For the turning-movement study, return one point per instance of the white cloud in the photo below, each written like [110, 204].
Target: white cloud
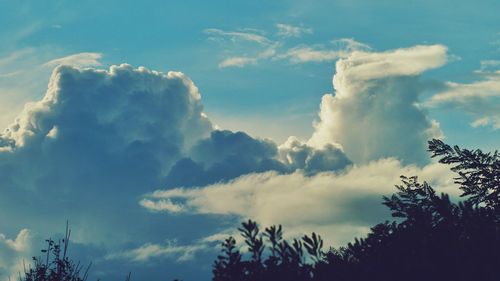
[350, 44]
[77, 60]
[237, 61]
[161, 205]
[149, 251]
[244, 61]
[12, 254]
[400, 62]
[337, 205]
[488, 66]
[309, 54]
[286, 30]
[480, 99]
[340, 48]
[234, 36]
[373, 113]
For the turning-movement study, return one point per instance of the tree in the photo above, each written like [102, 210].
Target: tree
[431, 237]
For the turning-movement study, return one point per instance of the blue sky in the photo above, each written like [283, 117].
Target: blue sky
[150, 145]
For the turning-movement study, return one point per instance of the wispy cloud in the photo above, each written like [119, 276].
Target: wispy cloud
[242, 61]
[236, 35]
[309, 54]
[286, 30]
[150, 251]
[481, 100]
[79, 60]
[330, 203]
[13, 252]
[237, 61]
[489, 67]
[276, 48]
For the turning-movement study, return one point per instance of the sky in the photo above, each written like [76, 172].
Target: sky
[155, 127]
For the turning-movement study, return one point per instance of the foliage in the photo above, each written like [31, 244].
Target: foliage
[432, 237]
[56, 266]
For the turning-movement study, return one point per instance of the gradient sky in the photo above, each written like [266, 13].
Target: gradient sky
[100, 143]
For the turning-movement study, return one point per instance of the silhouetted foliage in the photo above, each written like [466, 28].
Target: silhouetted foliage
[284, 261]
[432, 237]
[479, 172]
[56, 265]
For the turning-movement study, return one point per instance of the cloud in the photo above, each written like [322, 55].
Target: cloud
[488, 66]
[350, 44]
[149, 251]
[285, 30]
[341, 48]
[309, 54]
[12, 254]
[480, 99]
[96, 141]
[244, 61]
[100, 138]
[237, 61]
[276, 49]
[373, 113]
[235, 36]
[226, 155]
[335, 204]
[77, 60]
[298, 155]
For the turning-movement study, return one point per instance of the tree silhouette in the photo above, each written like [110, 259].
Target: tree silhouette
[431, 238]
[56, 265]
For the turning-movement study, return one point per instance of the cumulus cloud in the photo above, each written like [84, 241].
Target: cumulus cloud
[298, 155]
[99, 139]
[12, 254]
[96, 141]
[286, 30]
[337, 205]
[226, 155]
[373, 113]
[480, 99]
[78, 60]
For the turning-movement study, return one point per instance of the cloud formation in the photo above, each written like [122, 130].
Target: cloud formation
[373, 113]
[13, 252]
[92, 145]
[337, 205]
[480, 99]
[286, 30]
[238, 35]
[78, 60]
[277, 49]
[169, 249]
[101, 139]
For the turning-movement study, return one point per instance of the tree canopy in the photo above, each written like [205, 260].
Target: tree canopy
[430, 237]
